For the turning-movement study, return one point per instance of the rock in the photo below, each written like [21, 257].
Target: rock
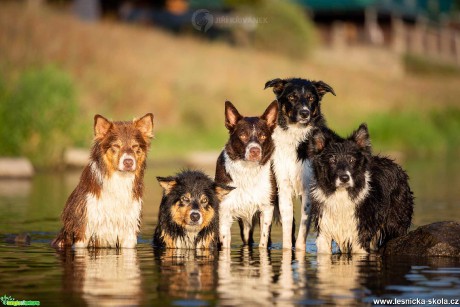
[15, 168]
[204, 159]
[76, 157]
[438, 239]
[20, 239]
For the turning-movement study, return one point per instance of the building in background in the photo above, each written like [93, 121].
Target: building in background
[430, 28]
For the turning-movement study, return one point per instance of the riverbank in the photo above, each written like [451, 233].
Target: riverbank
[120, 71]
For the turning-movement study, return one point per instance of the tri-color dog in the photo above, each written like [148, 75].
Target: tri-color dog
[104, 209]
[359, 200]
[189, 211]
[299, 113]
[245, 165]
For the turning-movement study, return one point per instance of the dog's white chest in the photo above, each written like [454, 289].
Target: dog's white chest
[338, 220]
[188, 241]
[113, 217]
[288, 169]
[253, 187]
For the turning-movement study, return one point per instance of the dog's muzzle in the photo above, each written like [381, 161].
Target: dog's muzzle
[253, 152]
[303, 116]
[195, 218]
[344, 180]
[127, 163]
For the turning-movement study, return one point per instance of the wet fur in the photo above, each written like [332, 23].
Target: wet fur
[362, 217]
[174, 229]
[255, 192]
[290, 161]
[104, 209]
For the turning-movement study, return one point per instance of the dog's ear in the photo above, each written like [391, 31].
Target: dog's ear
[323, 88]
[361, 138]
[317, 143]
[277, 84]
[222, 190]
[145, 125]
[167, 183]
[101, 126]
[231, 115]
[271, 114]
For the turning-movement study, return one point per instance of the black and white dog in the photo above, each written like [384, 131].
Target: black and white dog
[358, 200]
[245, 164]
[299, 113]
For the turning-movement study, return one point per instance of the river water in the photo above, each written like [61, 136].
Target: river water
[242, 276]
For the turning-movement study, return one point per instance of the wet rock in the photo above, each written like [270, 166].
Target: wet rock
[15, 168]
[437, 239]
[20, 239]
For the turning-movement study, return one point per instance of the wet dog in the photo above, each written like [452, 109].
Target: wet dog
[299, 113]
[358, 200]
[104, 209]
[189, 211]
[245, 165]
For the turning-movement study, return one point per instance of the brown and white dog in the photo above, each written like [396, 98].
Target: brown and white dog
[245, 164]
[104, 209]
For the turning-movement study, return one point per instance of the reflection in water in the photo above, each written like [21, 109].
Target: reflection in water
[248, 281]
[292, 278]
[186, 274]
[103, 277]
[249, 277]
[339, 278]
[239, 277]
[15, 187]
[419, 277]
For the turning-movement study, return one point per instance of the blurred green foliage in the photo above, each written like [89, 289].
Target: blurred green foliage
[423, 66]
[235, 3]
[38, 116]
[420, 134]
[280, 26]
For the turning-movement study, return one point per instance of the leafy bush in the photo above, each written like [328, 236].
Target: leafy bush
[282, 27]
[37, 116]
[421, 134]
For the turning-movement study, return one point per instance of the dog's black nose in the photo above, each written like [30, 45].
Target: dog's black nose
[195, 216]
[344, 178]
[304, 113]
[128, 163]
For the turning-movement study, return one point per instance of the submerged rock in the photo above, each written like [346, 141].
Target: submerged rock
[20, 239]
[437, 239]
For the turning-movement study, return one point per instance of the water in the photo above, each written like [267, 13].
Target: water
[242, 276]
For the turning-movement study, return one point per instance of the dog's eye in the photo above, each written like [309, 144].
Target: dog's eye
[204, 200]
[311, 98]
[243, 136]
[185, 199]
[135, 147]
[262, 137]
[115, 146]
[291, 98]
[351, 160]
